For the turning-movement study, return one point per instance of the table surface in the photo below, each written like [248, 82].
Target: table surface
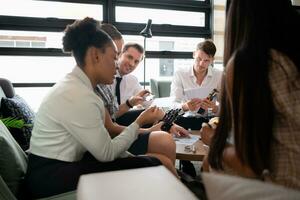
[201, 150]
[135, 184]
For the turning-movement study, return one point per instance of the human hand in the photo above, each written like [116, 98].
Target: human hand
[138, 98]
[179, 131]
[207, 132]
[150, 115]
[143, 93]
[192, 105]
[206, 103]
[155, 127]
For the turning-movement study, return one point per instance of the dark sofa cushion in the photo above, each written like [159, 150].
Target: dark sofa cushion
[17, 107]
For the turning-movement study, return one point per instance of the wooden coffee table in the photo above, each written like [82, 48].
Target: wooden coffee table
[201, 150]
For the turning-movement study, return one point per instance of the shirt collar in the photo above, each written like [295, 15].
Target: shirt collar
[77, 71]
[118, 74]
[209, 71]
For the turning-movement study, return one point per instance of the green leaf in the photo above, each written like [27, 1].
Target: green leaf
[13, 122]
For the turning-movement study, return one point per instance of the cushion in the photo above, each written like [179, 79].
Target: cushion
[5, 193]
[13, 160]
[1, 95]
[154, 88]
[7, 87]
[233, 188]
[164, 88]
[18, 108]
[64, 196]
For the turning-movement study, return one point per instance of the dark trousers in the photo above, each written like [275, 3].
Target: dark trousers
[127, 118]
[46, 177]
[193, 123]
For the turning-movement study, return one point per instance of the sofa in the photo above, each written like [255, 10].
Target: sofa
[160, 88]
[13, 160]
[13, 164]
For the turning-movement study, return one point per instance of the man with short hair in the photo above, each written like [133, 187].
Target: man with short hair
[201, 74]
[106, 92]
[132, 54]
[126, 86]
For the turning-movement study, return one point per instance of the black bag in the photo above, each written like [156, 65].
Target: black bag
[196, 185]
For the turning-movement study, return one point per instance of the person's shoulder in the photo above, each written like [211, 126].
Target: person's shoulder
[281, 58]
[183, 71]
[131, 77]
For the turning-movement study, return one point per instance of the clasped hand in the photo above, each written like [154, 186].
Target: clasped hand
[195, 103]
[138, 98]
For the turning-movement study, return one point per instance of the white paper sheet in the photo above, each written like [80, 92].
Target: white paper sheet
[197, 93]
[163, 102]
[187, 140]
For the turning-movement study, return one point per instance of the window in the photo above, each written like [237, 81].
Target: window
[32, 95]
[183, 44]
[166, 66]
[35, 69]
[153, 71]
[219, 26]
[43, 9]
[31, 33]
[33, 39]
[159, 16]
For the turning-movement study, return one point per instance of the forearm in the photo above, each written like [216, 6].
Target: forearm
[123, 108]
[113, 128]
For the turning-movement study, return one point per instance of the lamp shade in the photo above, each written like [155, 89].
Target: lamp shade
[146, 32]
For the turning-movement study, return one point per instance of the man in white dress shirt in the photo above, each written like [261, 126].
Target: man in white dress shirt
[131, 56]
[126, 86]
[201, 74]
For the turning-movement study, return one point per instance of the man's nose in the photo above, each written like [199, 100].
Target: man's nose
[131, 63]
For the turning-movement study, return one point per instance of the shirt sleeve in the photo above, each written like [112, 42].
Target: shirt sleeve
[137, 86]
[85, 122]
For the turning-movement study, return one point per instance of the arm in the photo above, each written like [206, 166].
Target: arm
[206, 133]
[85, 122]
[133, 101]
[193, 104]
[114, 129]
[123, 108]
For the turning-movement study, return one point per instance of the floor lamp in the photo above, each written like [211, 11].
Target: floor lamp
[146, 33]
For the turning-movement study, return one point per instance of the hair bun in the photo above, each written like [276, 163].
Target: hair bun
[70, 39]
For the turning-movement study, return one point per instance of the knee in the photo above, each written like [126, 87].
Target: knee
[167, 139]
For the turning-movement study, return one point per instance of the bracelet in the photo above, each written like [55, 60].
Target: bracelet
[128, 104]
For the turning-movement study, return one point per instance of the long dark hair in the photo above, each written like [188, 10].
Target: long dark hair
[253, 27]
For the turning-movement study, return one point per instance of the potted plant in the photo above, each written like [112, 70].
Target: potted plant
[12, 122]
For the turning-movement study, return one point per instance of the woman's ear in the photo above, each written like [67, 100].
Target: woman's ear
[95, 54]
